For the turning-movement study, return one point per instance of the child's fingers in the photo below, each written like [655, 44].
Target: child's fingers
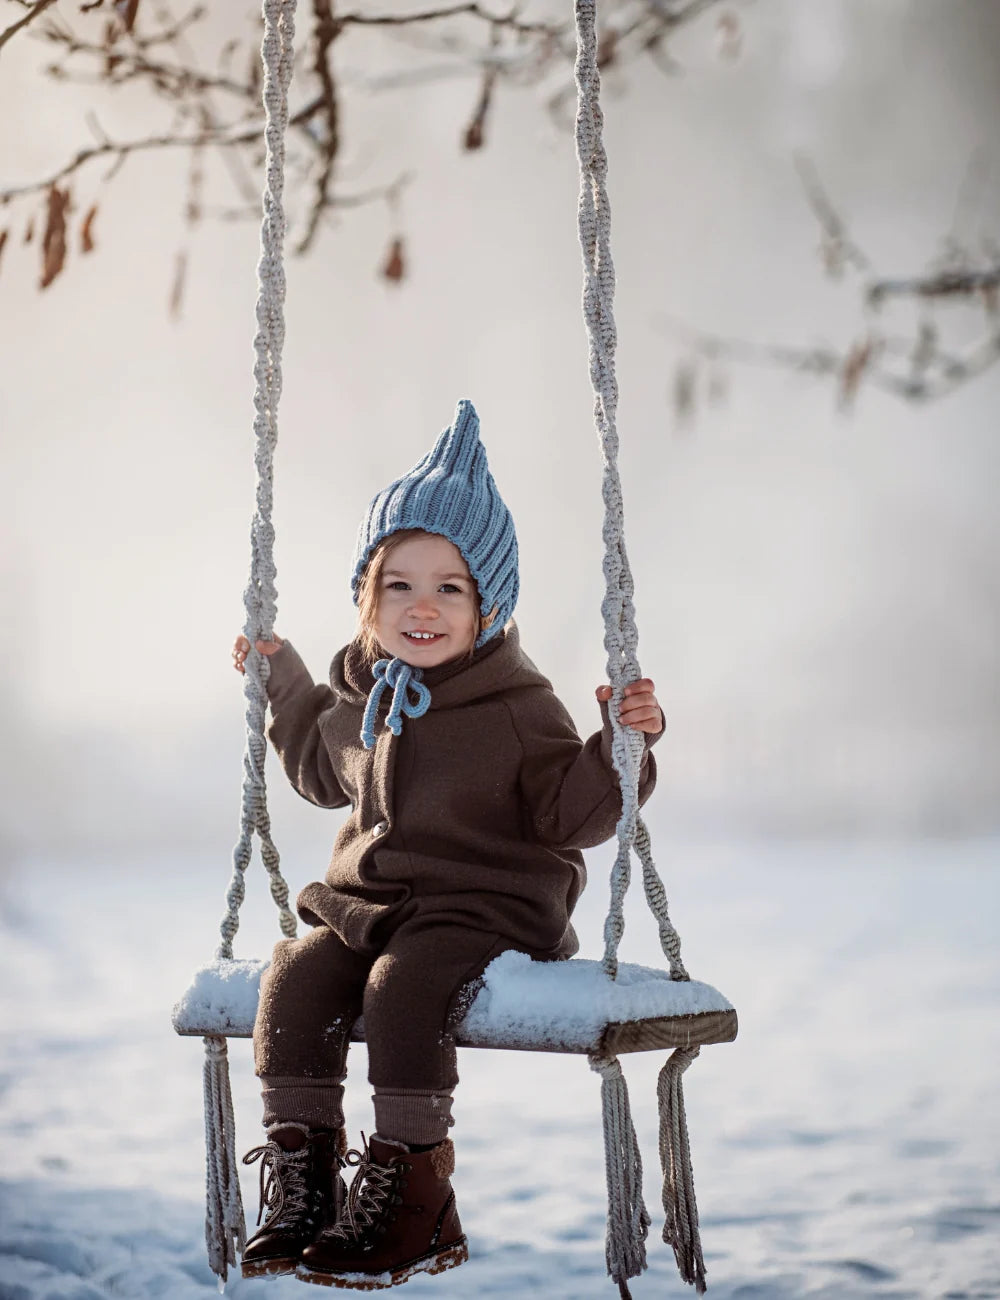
[642, 712]
[644, 701]
[241, 649]
[650, 720]
[639, 708]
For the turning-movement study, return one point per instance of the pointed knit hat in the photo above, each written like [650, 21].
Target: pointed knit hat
[451, 492]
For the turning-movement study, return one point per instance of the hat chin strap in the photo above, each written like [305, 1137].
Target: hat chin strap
[400, 677]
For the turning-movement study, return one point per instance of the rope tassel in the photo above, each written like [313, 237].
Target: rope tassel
[628, 1219]
[225, 1231]
[680, 1228]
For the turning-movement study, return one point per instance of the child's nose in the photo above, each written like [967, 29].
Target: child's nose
[424, 606]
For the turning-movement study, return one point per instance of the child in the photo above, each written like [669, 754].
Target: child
[470, 805]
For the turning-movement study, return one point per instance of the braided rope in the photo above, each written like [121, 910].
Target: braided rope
[225, 1232]
[680, 1229]
[620, 634]
[628, 1219]
[260, 595]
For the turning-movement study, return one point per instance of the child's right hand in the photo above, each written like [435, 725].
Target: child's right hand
[241, 648]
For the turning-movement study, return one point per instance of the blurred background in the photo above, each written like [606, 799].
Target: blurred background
[817, 579]
[807, 239]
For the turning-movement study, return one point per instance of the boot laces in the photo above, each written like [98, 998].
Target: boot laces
[284, 1183]
[368, 1196]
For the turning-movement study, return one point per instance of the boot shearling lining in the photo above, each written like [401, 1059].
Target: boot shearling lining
[443, 1159]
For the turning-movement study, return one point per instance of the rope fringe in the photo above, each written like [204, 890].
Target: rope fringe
[628, 1219]
[680, 1229]
[225, 1231]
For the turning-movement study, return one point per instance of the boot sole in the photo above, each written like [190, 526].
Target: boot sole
[280, 1267]
[437, 1262]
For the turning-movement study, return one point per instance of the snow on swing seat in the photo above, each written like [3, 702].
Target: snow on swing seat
[560, 1006]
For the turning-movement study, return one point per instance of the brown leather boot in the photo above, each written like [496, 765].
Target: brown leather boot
[400, 1219]
[301, 1192]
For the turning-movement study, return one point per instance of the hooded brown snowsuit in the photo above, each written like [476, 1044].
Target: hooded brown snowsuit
[464, 840]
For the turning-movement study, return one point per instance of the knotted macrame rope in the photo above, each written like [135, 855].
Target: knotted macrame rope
[625, 1234]
[225, 1232]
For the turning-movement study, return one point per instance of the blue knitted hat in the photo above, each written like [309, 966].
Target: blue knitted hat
[451, 492]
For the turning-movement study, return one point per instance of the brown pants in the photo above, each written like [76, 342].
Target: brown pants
[316, 987]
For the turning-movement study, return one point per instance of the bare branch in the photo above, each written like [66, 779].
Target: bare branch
[472, 9]
[943, 284]
[169, 35]
[326, 32]
[38, 8]
[122, 150]
[146, 45]
[930, 374]
[168, 78]
[838, 248]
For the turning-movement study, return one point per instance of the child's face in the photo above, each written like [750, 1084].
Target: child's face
[427, 612]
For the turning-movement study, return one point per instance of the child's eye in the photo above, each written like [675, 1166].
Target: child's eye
[450, 588]
[398, 585]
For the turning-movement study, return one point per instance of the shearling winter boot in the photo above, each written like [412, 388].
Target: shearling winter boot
[400, 1219]
[301, 1192]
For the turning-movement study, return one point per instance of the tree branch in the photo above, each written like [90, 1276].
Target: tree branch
[943, 284]
[472, 9]
[106, 148]
[38, 8]
[838, 247]
[327, 31]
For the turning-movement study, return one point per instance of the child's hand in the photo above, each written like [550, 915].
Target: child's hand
[639, 710]
[241, 649]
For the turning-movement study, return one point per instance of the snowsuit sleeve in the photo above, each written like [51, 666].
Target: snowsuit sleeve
[570, 786]
[297, 708]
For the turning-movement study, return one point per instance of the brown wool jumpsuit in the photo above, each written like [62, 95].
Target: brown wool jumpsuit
[463, 841]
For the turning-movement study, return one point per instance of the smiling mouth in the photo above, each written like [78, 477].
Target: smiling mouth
[423, 638]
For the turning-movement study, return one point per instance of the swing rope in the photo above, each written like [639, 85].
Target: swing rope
[225, 1230]
[628, 1220]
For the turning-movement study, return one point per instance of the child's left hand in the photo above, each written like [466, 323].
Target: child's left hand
[639, 707]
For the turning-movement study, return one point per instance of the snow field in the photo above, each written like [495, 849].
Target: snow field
[846, 1146]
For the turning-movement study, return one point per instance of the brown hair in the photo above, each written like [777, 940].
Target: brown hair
[370, 585]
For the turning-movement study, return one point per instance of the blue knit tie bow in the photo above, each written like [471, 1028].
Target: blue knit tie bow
[400, 676]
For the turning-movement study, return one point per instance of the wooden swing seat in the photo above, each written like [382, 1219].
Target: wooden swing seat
[568, 1006]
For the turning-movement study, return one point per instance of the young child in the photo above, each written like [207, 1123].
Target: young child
[471, 797]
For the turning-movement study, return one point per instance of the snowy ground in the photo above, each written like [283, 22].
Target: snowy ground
[846, 1146]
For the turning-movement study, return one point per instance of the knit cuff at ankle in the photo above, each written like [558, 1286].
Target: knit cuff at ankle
[412, 1115]
[316, 1103]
